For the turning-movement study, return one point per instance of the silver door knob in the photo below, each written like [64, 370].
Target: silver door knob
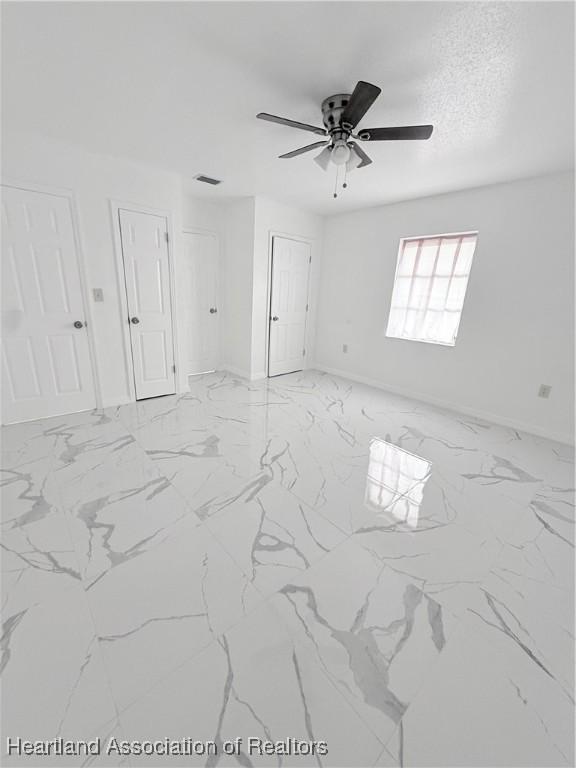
[213, 310]
[134, 320]
[275, 318]
[78, 324]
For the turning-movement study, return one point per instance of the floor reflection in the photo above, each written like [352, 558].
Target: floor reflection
[395, 482]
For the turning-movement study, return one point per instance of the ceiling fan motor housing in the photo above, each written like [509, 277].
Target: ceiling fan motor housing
[332, 109]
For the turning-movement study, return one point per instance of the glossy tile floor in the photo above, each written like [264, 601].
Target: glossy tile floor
[302, 557]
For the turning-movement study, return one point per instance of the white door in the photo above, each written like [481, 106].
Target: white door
[46, 367]
[147, 271]
[202, 291]
[288, 305]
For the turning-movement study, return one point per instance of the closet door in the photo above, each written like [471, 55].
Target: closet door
[46, 367]
[202, 289]
[147, 272]
[288, 305]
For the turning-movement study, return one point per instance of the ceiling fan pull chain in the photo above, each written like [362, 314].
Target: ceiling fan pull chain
[345, 178]
[336, 181]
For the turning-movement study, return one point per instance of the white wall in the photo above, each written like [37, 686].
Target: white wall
[517, 327]
[248, 225]
[274, 218]
[201, 214]
[94, 179]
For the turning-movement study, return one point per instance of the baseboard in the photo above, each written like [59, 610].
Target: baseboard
[244, 374]
[117, 401]
[234, 370]
[559, 437]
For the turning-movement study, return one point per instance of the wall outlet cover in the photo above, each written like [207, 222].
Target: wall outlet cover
[98, 294]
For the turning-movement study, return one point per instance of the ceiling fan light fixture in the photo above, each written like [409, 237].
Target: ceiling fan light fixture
[354, 161]
[323, 159]
[341, 153]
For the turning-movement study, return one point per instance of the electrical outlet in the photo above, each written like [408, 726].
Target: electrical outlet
[98, 294]
[345, 348]
[544, 390]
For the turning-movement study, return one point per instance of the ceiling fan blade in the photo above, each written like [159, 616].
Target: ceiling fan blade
[365, 160]
[291, 123]
[323, 159]
[301, 151]
[401, 133]
[363, 96]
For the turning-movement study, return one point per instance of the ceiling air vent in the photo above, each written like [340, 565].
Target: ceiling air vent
[207, 179]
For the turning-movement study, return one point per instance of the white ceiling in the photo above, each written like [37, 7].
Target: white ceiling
[178, 85]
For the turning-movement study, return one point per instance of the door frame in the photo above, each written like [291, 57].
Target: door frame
[77, 232]
[211, 233]
[115, 207]
[299, 239]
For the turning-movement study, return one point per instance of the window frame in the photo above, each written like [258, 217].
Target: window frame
[420, 239]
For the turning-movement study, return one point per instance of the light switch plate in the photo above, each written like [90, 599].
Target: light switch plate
[544, 390]
[98, 294]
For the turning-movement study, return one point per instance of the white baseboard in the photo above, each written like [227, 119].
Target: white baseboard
[236, 371]
[559, 437]
[116, 401]
[244, 374]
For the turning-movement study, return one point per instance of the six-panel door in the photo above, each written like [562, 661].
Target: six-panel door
[288, 305]
[46, 368]
[201, 263]
[147, 271]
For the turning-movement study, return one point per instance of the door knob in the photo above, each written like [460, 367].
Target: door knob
[275, 318]
[78, 324]
[134, 320]
[213, 310]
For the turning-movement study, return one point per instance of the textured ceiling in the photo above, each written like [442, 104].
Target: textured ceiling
[178, 85]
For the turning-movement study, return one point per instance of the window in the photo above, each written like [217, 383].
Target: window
[430, 286]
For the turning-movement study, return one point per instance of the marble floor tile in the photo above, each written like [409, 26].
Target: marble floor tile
[274, 537]
[253, 681]
[526, 601]
[437, 557]
[89, 457]
[550, 460]
[387, 760]
[29, 441]
[38, 556]
[315, 465]
[53, 678]
[28, 492]
[119, 514]
[554, 507]
[374, 632]
[160, 609]
[299, 557]
[483, 707]
[208, 484]
[480, 466]
[37, 562]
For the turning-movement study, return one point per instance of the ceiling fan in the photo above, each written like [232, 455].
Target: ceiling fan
[341, 114]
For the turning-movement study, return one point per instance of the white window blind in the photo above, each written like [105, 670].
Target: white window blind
[430, 286]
